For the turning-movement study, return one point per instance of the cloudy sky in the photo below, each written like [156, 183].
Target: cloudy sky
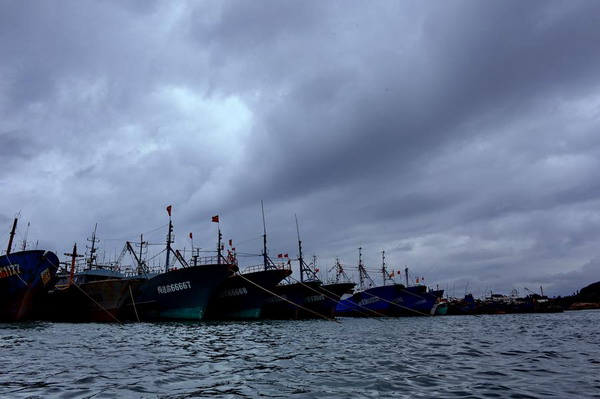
[463, 137]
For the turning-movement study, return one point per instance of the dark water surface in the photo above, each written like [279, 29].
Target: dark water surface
[502, 356]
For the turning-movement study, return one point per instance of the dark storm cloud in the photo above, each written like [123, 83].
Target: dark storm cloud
[460, 137]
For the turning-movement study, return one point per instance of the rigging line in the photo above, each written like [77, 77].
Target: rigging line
[156, 255]
[129, 238]
[287, 300]
[244, 241]
[333, 299]
[92, 299]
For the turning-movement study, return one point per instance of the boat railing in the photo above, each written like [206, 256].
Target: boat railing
[206, 260]
[260, 267]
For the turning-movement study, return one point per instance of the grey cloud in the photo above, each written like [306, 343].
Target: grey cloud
[459, 137]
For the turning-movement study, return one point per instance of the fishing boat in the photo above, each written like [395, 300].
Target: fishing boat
[372, 300]
[178, 293]
[462, 306]
[419, 300]
[291, 299]
[335, 290]
[97, 293]
[25, 276]
[242, 295]
[325, 298]
[390, 299]
[442, 308]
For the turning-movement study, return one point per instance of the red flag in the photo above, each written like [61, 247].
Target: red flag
[233, 249]
[316, 270]
[169, 210]
[280, 255]
[285, 255]
[215, 219]
[230, 243]
[191, 237]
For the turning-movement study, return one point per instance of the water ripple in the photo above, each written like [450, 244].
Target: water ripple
[501, 356]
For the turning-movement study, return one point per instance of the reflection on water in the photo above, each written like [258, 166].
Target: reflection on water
[505, 356]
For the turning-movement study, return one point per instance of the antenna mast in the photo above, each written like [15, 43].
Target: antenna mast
[383, 270]
[362, 272]
[169, 239]
[12, 234]
[219, 255]
[300, 258]
[265, 257]
[92, 259]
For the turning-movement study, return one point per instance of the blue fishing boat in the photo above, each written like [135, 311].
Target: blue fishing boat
[25, 277]
[372, 300]
[390, 299]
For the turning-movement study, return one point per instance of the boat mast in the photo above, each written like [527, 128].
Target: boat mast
[73, 256]
[169, 239]
[383, 271]
[361, 269]
[362, 272]
[219, 244]
[12, 235]
[93, 240]
[265, 259]
[339, 271]
[140, 264]
[300, 257]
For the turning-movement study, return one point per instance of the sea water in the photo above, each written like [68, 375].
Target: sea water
[496, 356]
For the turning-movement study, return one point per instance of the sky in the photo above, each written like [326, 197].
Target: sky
[460, 137]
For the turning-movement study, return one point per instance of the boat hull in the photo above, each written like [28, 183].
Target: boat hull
[180, 294]
[388, 300]
[289, 299]
[417, 301]
[372, 302]
[25, 277]
[241, 297]
[95, 301]
[325, 302]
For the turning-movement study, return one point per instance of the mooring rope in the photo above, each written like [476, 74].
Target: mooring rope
[133, 302]
[339, 301]
[287, 300]
[397, 304]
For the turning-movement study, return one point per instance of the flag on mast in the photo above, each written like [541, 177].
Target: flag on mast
[169, 210]
[215, 219]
